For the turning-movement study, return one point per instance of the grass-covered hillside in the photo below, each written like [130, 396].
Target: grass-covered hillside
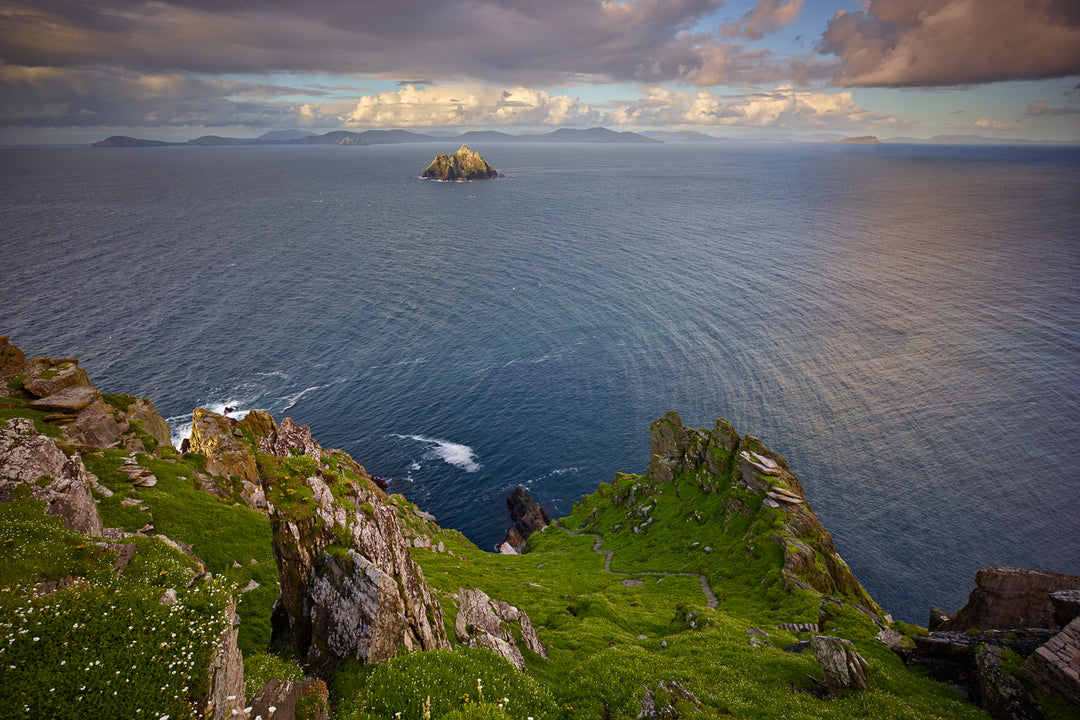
[686, 589]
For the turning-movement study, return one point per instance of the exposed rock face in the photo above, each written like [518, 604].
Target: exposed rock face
[32, 463]
[660, 705]
[483, 622]
[1003, 696]
[301, 700]
[226, 674]
[147, 415]
[527, 515]
[212, 435]
[12, 361]
[1006, 598]
[1055, 667]
[288, 437]
[810, 558]
[843, 668]
[465, 164]
[348, 584]
[49, 376]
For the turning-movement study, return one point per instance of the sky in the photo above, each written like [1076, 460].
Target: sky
[82, 70]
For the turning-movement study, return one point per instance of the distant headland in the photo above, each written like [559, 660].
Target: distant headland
[384, 137]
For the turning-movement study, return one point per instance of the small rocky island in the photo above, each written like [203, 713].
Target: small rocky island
[465, 164]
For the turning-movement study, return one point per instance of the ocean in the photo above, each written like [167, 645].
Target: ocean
[901, 322]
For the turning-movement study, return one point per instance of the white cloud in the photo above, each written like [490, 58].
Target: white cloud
[467, 106]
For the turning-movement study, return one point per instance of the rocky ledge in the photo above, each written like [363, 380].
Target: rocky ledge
[465, 164]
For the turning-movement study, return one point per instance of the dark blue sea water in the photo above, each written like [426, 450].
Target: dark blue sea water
[901, 322]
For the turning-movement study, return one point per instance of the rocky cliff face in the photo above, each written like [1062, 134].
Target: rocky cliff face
[465, 164]
[348, 584]
[719, 456]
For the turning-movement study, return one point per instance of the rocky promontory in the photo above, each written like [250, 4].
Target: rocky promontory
[465, 164]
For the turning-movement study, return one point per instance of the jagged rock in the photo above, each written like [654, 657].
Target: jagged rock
[227, 692]
[48, 376]
[291, 437]
[1066, 606]
[1006, 598]
[482, 621]
[842, 667]
[661, 704]
[1003, 696]
[259, 423]
[465, 164]
[348, 584]
[284, 697]
[146, 414]
[937, 617]
[211, 435]
[527, 515]
[30, 459]
[1055, 667]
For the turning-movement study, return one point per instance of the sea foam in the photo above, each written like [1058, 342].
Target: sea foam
[455, 454]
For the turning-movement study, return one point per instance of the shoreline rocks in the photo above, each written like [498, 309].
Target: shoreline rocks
[527, 515]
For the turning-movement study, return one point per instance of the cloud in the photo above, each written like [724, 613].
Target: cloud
[70, 97]
[468, 106]
[984, 124]
[1041, 109]
[954, 42]
[784, 107]
[765, 17]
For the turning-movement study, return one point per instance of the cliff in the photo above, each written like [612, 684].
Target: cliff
[262, 570]
[465, 164]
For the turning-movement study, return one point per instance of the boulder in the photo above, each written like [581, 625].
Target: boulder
[465, 164]
[483, 622]
[842, 667]
[1001, 695]
[1066, 606]
[1006, 598]
[527, 515]
[48, 376]
[661, 704]
[226, 694]
[226, 455]
[300, 700]
[1055, 667]
[349, 587]
[33, 462]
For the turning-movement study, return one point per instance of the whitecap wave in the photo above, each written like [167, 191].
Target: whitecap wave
[455, 454]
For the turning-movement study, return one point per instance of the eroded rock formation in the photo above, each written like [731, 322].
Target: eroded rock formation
[527, 515]
[465, 164]
[483, 622]
[348, 584]
[1006, 598]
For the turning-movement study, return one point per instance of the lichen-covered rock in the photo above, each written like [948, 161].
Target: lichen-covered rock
[143, 411]
[96, 425]
[227, 692]
[1055, 667]
[31, 464]
[1002, 695]
[12, 360]
[70, 399]
[842, 667]
[465, 164]
[348, 584]
[1006, 598]
[226, 455]
[47, 376]
[483, 622]
[292, 700]
[289, 437]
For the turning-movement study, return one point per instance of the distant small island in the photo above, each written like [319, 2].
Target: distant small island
[861, 140]
[465, 164]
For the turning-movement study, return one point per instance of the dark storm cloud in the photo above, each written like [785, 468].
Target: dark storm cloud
[491, 40]
[955, 42]
[70, 97]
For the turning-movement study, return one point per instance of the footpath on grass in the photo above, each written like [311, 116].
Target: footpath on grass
[710, 598]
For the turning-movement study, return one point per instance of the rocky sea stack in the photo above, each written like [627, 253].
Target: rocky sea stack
[465, 164]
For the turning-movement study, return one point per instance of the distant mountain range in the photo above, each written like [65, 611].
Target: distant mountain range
[385, 137]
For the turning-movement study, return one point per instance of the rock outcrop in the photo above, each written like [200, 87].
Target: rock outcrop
[710, 456]
[227, 692]
[1006, 598]
[1055, 667]
[465, 164]
[349, 587]
[842, 667]
[32, 465]
[483, 622]
[527, 515]
[226, 455]
[291, 700]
